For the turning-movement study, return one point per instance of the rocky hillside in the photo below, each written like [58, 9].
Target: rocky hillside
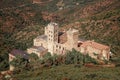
[13, 3]
[99, 21]
[21, 21]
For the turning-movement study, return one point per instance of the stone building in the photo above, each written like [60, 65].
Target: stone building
[95, 50]
[14, 54]
[57, 42]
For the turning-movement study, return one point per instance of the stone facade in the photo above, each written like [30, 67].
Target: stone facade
[57, 42]
[40, 51]
[11, 57]
[95, 50]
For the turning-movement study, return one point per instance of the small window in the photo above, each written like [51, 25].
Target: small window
[59, 46]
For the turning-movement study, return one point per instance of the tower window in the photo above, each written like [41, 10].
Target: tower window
[59, 47]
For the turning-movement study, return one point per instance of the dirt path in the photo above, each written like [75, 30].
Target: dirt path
[42, 3]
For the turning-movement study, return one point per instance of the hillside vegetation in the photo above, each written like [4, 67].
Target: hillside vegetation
[69, 72]
[21, 21]
[71, 66]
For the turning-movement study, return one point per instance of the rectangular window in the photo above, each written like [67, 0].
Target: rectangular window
[59, 47]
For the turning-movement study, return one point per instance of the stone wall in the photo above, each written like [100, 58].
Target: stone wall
[95, 53]
[59, 49]
[40, 42]
[11, 57]
[39, 53]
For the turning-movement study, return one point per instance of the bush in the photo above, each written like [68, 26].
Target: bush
[117, 65]
[4, 63]
[75, 57]
[19, 63]
[88, 59]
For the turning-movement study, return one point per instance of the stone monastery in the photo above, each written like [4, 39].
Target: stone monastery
[59, 43]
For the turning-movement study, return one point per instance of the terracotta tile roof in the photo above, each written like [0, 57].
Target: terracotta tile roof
[94, 45]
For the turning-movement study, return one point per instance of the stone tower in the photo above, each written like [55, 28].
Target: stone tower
[72, 39]
[52, 35]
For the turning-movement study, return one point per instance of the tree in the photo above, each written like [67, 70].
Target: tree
[89, 59]
[75, 57]
[4, 61]
[19, 63]
[34, 61]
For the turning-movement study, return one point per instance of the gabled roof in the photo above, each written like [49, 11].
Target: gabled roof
[43, 37]
[16, 52]
[38, 48]
[94, 45]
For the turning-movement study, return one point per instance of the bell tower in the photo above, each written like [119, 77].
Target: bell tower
[52, 35]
